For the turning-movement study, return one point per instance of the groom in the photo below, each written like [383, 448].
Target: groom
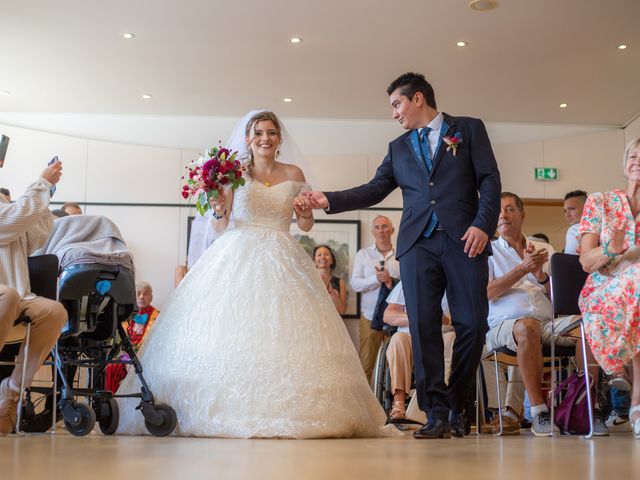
[451, 201]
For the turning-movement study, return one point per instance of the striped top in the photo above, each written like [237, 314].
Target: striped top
[25, 226]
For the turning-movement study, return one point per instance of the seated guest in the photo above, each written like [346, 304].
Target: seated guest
[325, 261]
[520, 312]
[71, 208]
[400, 354]
[573, 205]
[136, 327]
[610, 252]
[24, 226]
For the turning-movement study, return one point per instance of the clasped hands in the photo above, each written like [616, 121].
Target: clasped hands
[533, 261]
[383, 276]
[303, 207]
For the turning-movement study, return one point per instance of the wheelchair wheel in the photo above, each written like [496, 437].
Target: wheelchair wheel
[169, 421]
[380, 372]
[82, 421]
[108, 415]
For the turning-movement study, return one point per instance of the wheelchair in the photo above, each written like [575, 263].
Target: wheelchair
[382, 379]
[98, 298]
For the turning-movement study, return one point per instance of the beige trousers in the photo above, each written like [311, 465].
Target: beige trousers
[370, 341]
[47, 319]
[400, 358]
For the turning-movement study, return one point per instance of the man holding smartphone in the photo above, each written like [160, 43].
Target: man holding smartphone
[373, 267]
[25, 226]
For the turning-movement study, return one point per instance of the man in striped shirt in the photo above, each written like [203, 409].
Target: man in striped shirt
[25, 225]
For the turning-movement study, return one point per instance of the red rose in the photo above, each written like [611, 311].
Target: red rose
[224, 180]
[185, 194]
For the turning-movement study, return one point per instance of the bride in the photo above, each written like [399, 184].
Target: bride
[249, 345]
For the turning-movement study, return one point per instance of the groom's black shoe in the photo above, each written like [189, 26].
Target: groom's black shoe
[434, 428]
[457, 424]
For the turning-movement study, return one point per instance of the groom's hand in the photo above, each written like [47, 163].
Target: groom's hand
[317, 199]
[476, 240]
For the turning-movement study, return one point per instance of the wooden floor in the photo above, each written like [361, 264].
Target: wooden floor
[62, 456]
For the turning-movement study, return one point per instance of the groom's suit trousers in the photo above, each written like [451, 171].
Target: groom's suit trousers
[442, 264]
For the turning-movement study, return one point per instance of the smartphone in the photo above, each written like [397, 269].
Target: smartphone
[381, 264]
[51, 162]
[4, 143]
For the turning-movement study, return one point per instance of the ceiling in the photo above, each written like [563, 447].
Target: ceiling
[225, 57]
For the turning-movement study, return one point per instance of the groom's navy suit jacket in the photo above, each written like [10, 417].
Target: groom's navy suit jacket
[463, 189]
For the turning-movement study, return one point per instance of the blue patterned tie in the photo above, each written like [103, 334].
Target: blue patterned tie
[425, 150]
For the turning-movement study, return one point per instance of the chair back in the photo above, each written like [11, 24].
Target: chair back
[567, 280]
[43, 275]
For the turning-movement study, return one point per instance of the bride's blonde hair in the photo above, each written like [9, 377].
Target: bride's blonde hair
[259, 117]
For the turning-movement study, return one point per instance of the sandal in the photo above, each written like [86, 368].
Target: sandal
[635, 422]
[398, 411]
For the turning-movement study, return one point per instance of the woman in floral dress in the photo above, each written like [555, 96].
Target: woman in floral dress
[610, 299]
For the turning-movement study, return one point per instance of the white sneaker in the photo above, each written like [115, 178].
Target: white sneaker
[618, 423]
[599, 427]
[541, 425]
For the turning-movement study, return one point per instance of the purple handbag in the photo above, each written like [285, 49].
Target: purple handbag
[572, 412]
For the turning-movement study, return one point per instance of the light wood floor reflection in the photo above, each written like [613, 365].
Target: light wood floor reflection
[62, 456]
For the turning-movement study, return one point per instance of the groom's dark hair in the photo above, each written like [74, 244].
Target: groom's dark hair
[411, 83]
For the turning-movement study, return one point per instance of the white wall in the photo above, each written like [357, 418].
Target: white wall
[632, 131]
[588, 162]
[342, 153]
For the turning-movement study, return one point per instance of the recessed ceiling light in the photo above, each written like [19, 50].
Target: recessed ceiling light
[483, 5]
[622, 47]
[287, 100]
[563, 105]
[147, 96]
[128, 36]
[461, 44]
[5, 92]
[295, 40]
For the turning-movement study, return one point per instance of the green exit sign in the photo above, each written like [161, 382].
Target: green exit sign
[546, 173]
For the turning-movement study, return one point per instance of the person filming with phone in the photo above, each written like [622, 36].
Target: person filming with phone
[373, 267]
[25, 225]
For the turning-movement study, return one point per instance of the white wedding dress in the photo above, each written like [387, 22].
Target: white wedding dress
[250, 343]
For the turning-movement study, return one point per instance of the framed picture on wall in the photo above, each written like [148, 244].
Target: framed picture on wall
[343, 236]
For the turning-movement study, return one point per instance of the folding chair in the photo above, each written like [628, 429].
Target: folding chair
[43, 276]
[506, 356]
[567, 280]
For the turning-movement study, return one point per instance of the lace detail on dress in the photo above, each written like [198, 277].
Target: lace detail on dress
[250, 343]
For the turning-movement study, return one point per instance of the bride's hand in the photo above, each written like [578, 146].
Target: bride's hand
[302, 207]
[219, 205]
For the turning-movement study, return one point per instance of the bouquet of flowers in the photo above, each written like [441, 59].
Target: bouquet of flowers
[208, 176]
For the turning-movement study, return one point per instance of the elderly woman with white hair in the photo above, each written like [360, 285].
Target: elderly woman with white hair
[137, 327]
[610, 300]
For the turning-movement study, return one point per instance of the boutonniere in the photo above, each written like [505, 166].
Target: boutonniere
[453, 142]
